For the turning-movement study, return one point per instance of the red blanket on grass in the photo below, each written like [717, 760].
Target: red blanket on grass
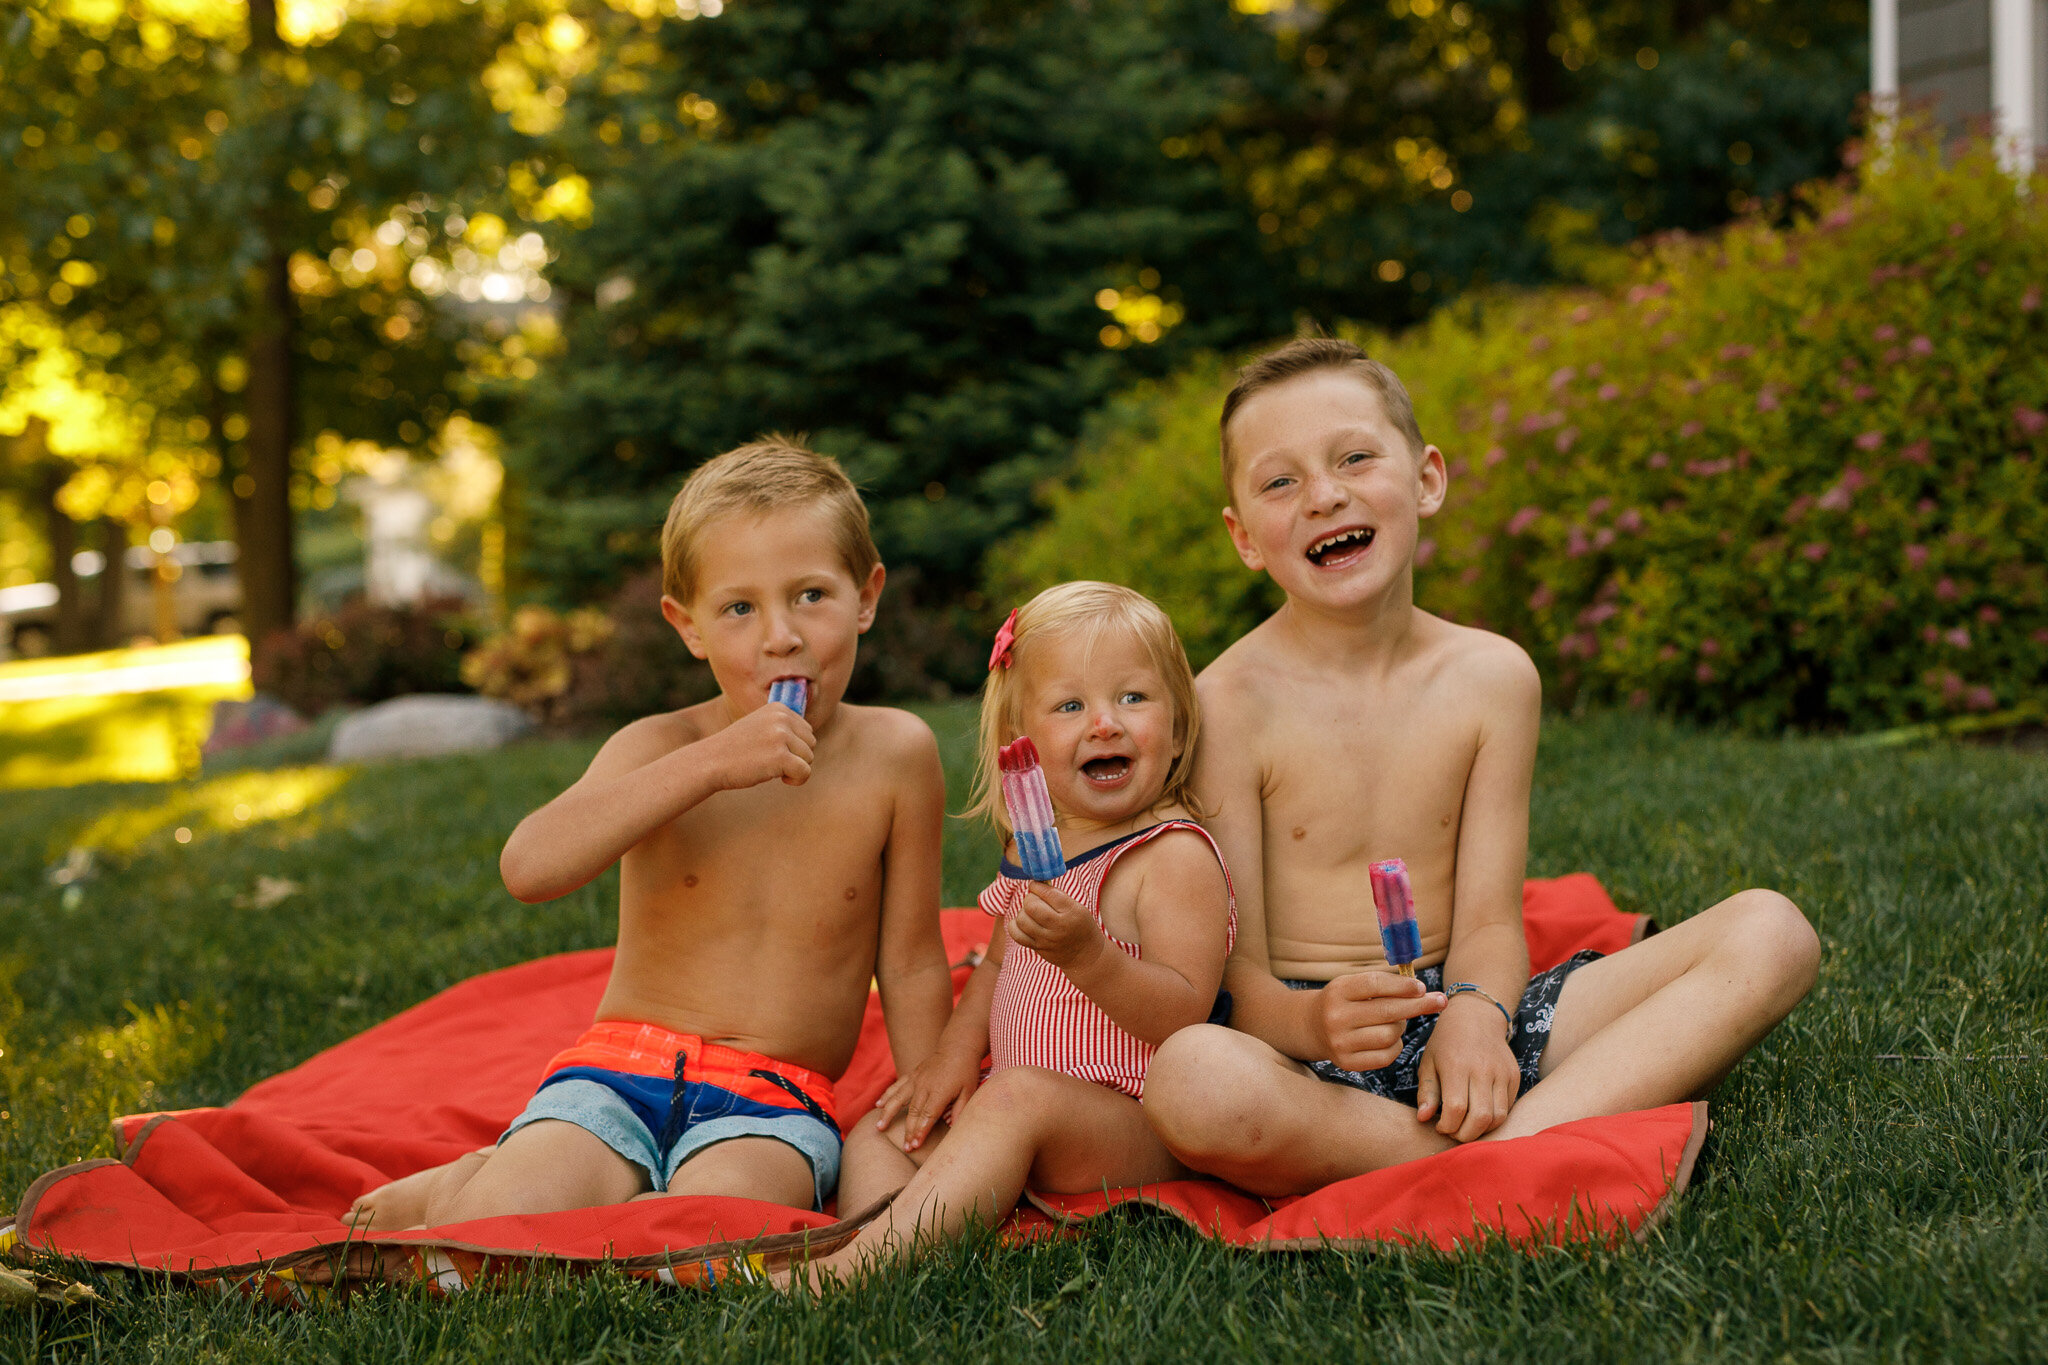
[253, 1192]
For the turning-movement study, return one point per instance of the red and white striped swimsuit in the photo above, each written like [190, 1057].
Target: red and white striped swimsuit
[1038, 1017]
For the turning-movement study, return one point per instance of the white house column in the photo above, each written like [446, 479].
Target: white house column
[1884, 56]
[2013, 59]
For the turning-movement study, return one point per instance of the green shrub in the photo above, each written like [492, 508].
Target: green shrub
[1786, 475]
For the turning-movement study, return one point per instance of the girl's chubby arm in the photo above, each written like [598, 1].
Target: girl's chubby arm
[911, 971]
[645, 776]
[1183, 909]
[946, 1079]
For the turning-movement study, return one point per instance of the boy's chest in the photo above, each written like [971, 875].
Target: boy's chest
[1345, 783]
[819, 845]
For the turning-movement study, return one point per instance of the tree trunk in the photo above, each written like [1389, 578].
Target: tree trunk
[263, 528]
[1542, 88]
[63, 534]
[109, 629]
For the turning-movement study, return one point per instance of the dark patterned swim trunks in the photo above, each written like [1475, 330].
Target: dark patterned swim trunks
[1397, 1079]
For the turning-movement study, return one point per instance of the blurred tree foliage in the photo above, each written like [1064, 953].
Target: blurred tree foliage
[934, 237]
[930, 234]
[1425, 146]
[237, 200]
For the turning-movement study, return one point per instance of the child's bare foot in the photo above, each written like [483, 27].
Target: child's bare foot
[400, 1204]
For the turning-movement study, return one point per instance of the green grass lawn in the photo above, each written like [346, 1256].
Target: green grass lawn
[1846, 1206]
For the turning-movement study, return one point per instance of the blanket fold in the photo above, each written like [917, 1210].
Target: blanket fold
[251, 1193]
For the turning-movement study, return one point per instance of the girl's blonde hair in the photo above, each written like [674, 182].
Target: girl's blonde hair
[1091, 610]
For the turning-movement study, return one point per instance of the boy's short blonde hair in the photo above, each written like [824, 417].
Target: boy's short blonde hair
[772, 473]
[1091, 609]
[1303, 356]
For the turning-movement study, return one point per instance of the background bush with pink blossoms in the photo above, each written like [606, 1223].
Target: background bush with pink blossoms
[1789, 475]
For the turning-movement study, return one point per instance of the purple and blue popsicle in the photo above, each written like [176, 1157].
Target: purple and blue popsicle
[795, 693]
[1030, 808]
[1394, 898]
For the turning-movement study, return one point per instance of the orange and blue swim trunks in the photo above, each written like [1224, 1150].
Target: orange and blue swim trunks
[657, 1098]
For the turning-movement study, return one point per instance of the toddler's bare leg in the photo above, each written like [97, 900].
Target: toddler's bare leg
[1666, 1019]
[402, 1203]
[1059, 1133]
[545, 1167]
[746, 1168]
[874, 1165]
[1227, 1104]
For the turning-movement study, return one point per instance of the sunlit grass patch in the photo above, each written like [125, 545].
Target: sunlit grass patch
[85, 718]
[140, 737]
[236, 801]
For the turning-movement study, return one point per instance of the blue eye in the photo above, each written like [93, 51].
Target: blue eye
[1068, 706]
[1355, 456]
[739, 609]
[1131, 698]
[1275, 483]
[811, 595]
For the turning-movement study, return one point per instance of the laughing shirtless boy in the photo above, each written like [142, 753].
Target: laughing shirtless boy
[1350, 727]
[770, 864]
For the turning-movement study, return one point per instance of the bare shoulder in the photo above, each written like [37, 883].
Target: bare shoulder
[900, 742]
[1179, 862]
[888, 730]
[1491, 668]
[1236, 689]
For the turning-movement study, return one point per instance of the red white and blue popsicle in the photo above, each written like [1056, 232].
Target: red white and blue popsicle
[795, 693]
[1030, 808]
[1394, 898]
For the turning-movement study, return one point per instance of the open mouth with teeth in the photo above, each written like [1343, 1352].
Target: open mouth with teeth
[1343, 547]
[1110, 771]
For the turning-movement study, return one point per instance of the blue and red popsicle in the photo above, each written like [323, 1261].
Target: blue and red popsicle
[1394, 898]
[1030, 807]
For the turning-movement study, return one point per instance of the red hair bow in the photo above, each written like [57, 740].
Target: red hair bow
[999, 657]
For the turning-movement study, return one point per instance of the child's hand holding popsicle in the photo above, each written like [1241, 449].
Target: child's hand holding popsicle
[1363, 1016]
[768, 742]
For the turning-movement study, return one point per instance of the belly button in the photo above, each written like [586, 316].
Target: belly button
[690, 880]
[1300, 832]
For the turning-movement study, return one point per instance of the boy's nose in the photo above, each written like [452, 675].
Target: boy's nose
[1326, 494]
[782, 636]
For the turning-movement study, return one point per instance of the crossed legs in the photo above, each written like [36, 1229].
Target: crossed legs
[1659, 1022]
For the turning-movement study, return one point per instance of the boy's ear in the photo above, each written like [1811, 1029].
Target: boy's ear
[870, 594]
[1435, 480]
[679, 619]
[1246, 551]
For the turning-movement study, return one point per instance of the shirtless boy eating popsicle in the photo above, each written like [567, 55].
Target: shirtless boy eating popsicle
[778, 848]
[1350, 728]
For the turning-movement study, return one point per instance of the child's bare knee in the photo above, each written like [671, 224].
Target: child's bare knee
[1774, 930]
[1201, 1092]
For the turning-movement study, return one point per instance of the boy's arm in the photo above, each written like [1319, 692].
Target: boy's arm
[911, 972]
[640, 780]
[1468, 1072]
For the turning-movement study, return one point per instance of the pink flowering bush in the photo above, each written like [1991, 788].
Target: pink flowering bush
[1785, 475]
